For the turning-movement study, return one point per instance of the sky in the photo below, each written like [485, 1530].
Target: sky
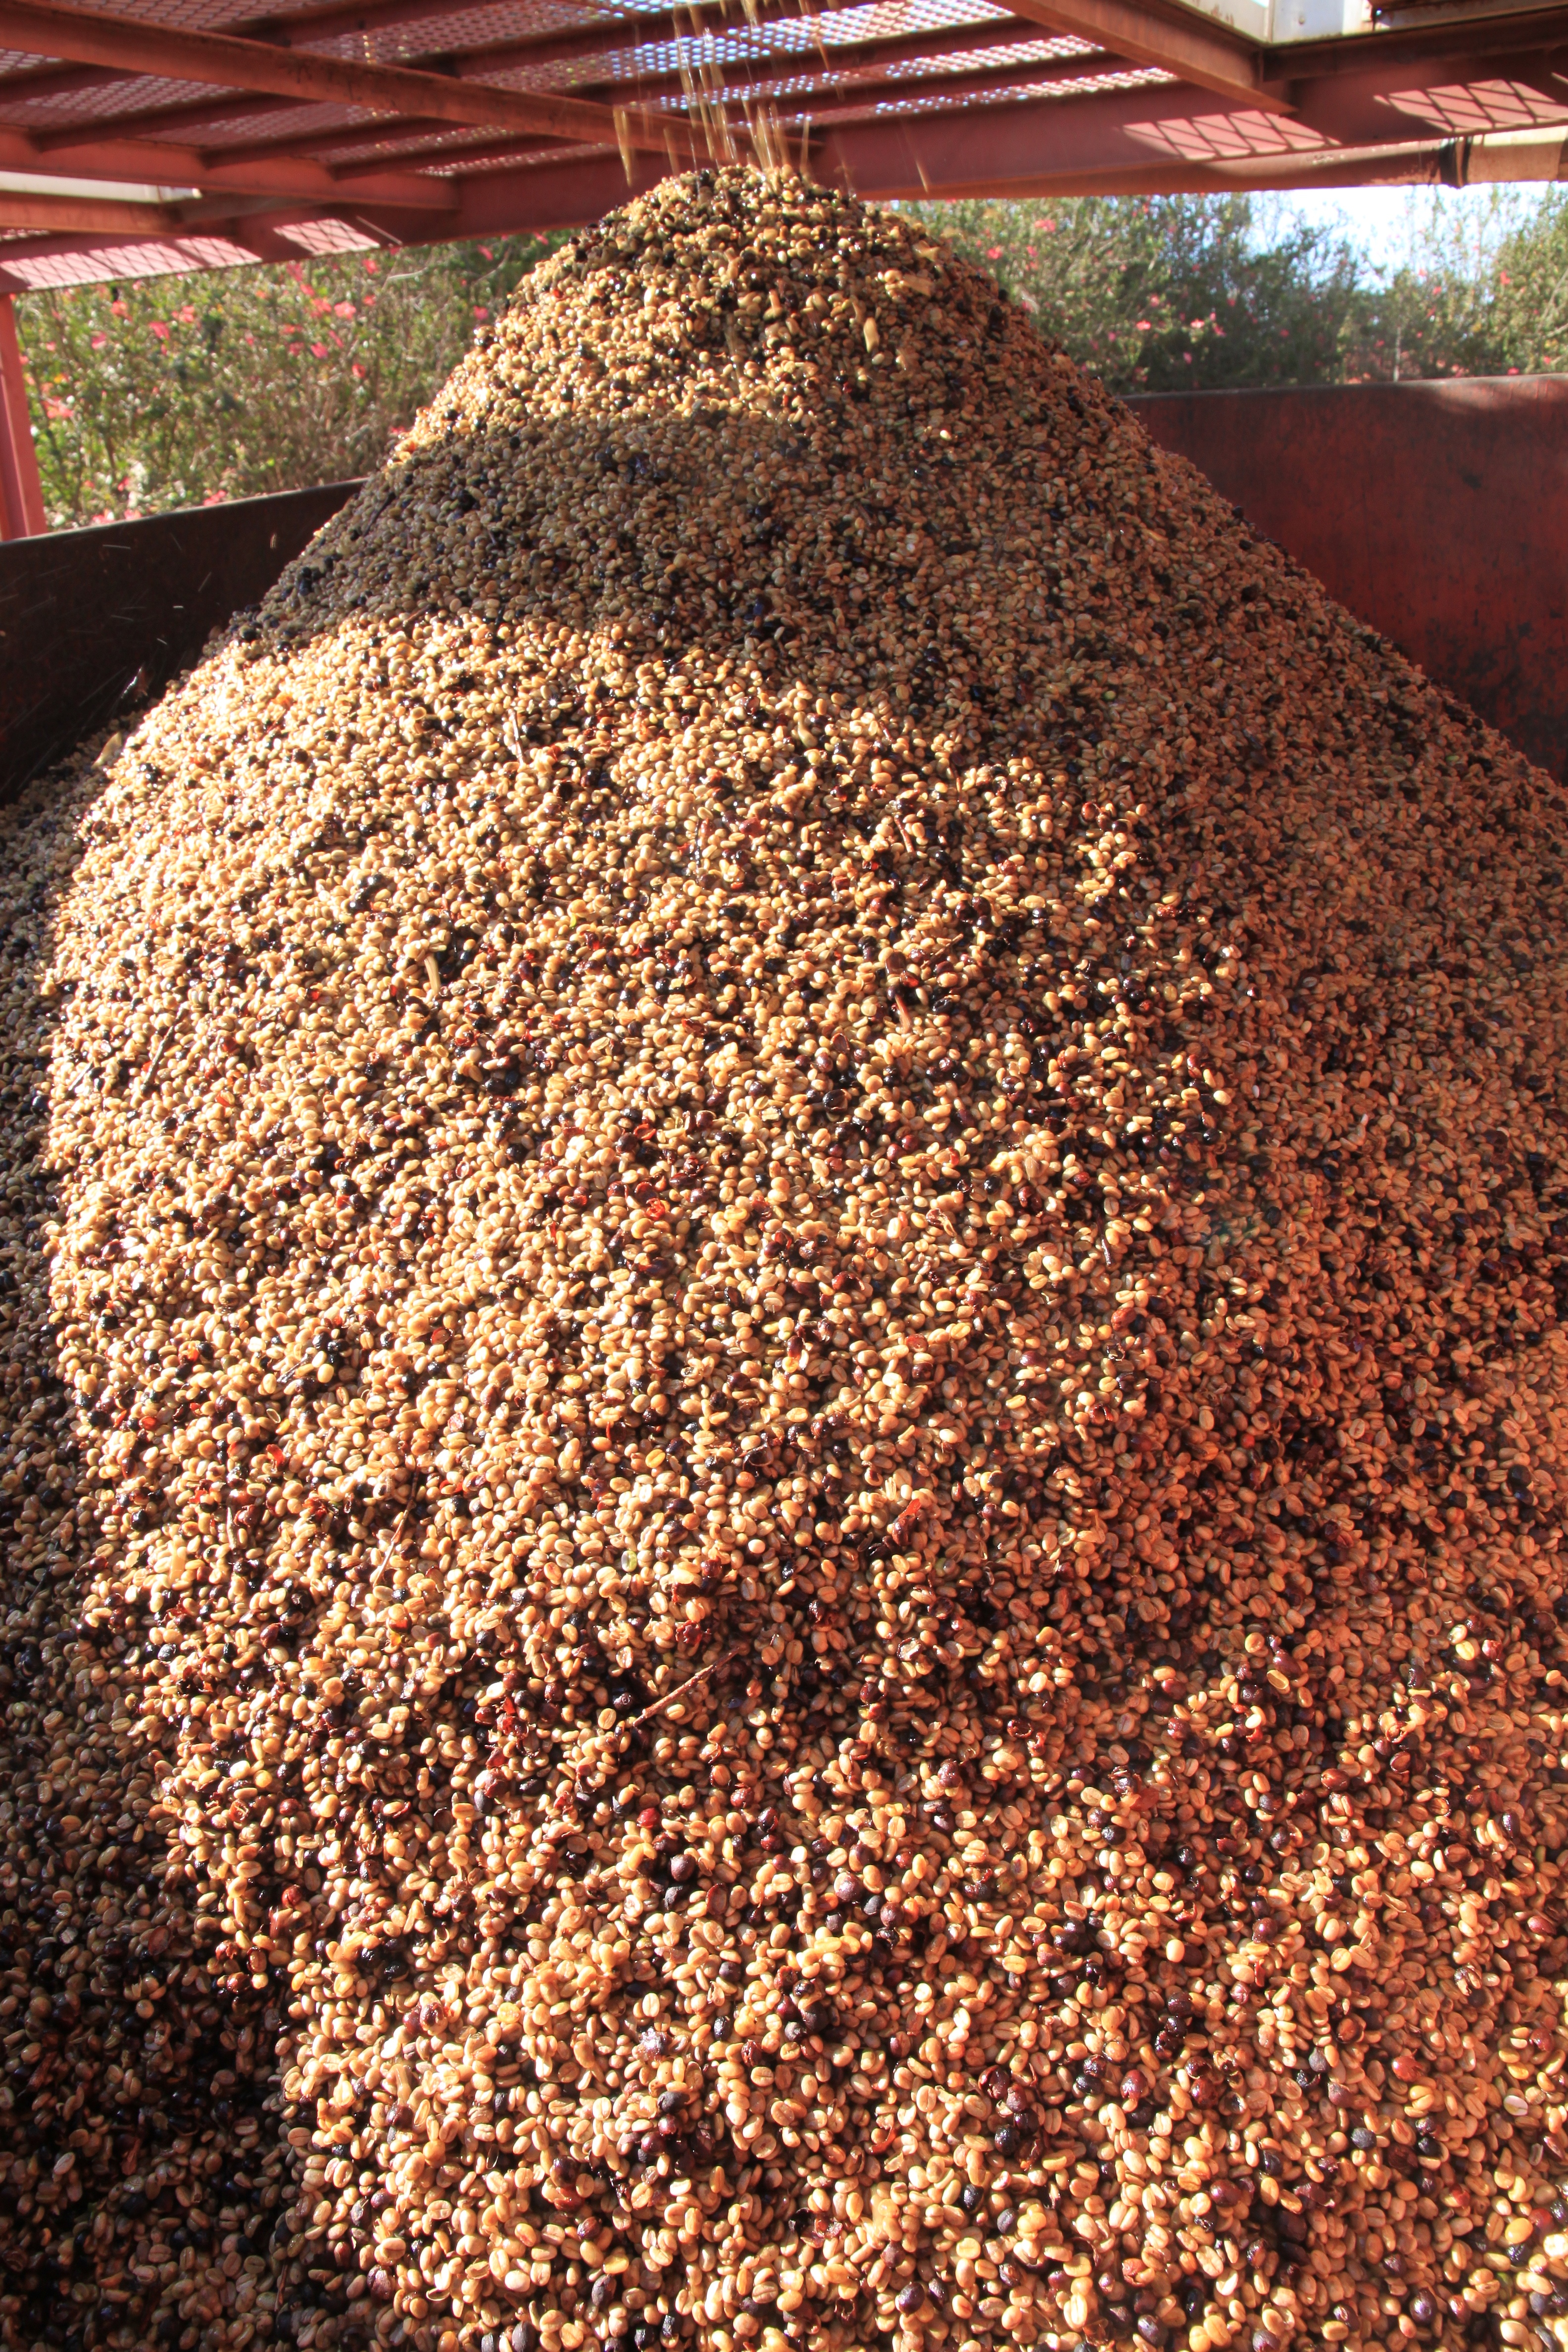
[1378, 222]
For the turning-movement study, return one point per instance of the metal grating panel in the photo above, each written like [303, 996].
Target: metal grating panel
[918, 104]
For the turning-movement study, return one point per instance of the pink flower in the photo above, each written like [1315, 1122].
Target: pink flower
[371, 264]
[317, 351]
[358, 370]
[187, 317]
[1145, 325]
[215, 498]
[160, 329]
[487, 254]
[117, 309]
[344, 310]
[993, 253]
[480, 311]
[97, 342]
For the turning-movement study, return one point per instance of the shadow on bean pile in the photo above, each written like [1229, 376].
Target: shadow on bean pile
[133, 2086]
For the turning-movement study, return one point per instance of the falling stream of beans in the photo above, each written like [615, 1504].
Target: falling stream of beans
[782, 1394]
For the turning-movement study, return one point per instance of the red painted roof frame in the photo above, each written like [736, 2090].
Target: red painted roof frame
[402, 121]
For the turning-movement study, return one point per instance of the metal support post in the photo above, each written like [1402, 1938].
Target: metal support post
[21, 492]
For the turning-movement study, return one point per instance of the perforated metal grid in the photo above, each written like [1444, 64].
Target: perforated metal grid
[35, 98]
[839, 65]
[792, 75]
[91, 95]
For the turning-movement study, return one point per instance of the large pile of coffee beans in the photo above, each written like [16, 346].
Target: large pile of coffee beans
[785, 1402]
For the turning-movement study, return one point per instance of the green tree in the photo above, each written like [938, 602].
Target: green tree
[173, 392]
[1528, 282]
[1435, 314]
[1487, 293]
[1169, 293]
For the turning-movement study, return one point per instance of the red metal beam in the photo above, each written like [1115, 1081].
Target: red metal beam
[1297, 69]
[293, 32]
[1161, 138]
[434, 143]
[21, 493]
[1013, 151]
[849, 68]
[1140, 142]
[1448, 46]
[23, 210]
[166, 165]
[1422, 97]
[1127, 131]
[1193, 49]
[607, 38]
[614, 37]
[854, 101]
[1422, 164]
[822, 63]
[261, 240]
[506, 56]
[218, 60]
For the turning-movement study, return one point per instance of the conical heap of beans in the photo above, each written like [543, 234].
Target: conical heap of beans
[809, 1227]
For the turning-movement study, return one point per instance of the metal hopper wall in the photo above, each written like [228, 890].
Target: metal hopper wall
[1437, 512]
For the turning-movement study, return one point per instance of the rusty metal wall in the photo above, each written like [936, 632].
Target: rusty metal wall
[92, 621]
[1437, 512]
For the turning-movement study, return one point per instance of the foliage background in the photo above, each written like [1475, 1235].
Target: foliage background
[175, 392]
[1169, 293]
[1176, 293]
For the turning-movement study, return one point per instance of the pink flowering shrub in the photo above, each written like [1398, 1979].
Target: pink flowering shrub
[184, 391]
[1182, 293]
[1157, 292]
